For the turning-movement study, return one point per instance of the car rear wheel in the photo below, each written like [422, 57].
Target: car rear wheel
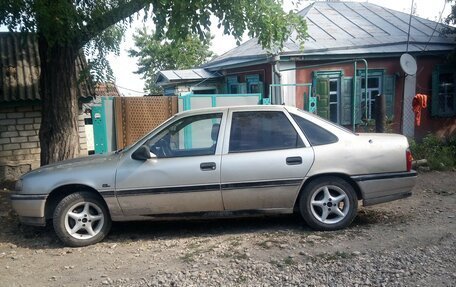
[328, 203]
[81, 219]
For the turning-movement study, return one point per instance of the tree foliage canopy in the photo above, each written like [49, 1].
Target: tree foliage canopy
[98, 25]
[451, 19]
[64, 27]
[156, 54]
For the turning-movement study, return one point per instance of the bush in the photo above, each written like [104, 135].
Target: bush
[439, 153]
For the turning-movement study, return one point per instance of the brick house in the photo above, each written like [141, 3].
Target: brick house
[341, 34]
[20, 105]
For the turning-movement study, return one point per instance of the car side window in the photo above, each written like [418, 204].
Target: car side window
[189, 136]
[314, 133]
[262, 130]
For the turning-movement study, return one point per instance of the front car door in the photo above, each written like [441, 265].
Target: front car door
[185, 175]
[265, 160]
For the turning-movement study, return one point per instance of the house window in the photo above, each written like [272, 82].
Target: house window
[387, 86]
[334, 91]
[232, 85]
[374, 88]
[253, 84]
[443, 92]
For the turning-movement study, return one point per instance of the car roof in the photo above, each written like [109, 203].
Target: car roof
[237, 108]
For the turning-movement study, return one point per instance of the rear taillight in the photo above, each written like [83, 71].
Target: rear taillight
[409, 159]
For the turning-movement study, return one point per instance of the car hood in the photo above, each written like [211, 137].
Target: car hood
[76, 163]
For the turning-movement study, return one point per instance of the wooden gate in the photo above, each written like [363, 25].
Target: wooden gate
[136, 116]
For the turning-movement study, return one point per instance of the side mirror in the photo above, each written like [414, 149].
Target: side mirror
[143, 153]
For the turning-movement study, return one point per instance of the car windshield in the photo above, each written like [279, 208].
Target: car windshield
[328, 122]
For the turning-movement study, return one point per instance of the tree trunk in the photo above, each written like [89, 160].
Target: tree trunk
[58, 89]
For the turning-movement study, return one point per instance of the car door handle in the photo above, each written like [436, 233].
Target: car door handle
[208, 166]
[294, 160]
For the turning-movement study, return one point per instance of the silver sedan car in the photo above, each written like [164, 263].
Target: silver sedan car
[228, 161]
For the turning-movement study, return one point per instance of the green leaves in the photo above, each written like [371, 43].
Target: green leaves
[98, 24]
[263, 19]
[155, 54]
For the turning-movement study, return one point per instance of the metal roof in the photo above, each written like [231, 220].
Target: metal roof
[184, 75]
[20, 68]
[353, 28]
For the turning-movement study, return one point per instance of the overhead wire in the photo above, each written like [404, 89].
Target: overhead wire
[131, 90]
[436, 25]
[409, 26]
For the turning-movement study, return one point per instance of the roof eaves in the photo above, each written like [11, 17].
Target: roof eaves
[239, 60]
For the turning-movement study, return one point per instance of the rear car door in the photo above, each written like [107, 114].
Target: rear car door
[185, 175]
[264, 162]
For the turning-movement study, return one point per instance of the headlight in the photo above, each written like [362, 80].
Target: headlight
[18, 186]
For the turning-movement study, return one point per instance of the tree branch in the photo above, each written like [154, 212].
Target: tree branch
[102, 22]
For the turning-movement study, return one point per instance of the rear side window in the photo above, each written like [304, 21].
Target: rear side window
[314, 133]
[262, 130]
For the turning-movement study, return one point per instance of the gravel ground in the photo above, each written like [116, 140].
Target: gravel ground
[410, 242]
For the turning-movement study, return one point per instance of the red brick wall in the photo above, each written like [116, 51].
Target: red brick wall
[441, 127]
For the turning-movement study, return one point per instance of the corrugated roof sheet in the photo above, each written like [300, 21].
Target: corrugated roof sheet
[20, 68]
[106, 90]
[337, 28]
[184, 75]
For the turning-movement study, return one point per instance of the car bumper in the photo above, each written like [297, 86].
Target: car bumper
[30, 208]
[384, 187]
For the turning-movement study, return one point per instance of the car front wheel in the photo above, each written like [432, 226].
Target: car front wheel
[328, 203]
[81, 219]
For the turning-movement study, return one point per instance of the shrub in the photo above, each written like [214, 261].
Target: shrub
[439, 153]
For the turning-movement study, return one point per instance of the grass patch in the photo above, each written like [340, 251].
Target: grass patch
[439, 153]
[242, 279]
[289, 261]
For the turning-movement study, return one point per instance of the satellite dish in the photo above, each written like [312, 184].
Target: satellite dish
[408, 64]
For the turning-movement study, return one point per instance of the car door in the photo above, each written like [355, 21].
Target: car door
[184, 176]
[265, 160]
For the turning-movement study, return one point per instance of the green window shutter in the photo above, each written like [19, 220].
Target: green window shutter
[346, 100]
[389, 87]
[358, 98]
[322, 91]
[435, 101]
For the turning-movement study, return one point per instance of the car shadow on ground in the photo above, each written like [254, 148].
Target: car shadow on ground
[45, 238]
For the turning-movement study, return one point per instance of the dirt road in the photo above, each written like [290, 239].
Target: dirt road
[411, 242]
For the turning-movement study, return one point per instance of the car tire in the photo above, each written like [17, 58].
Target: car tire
[81, 219]
[328, 203]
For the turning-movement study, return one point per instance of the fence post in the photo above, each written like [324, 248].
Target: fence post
[380, 113]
